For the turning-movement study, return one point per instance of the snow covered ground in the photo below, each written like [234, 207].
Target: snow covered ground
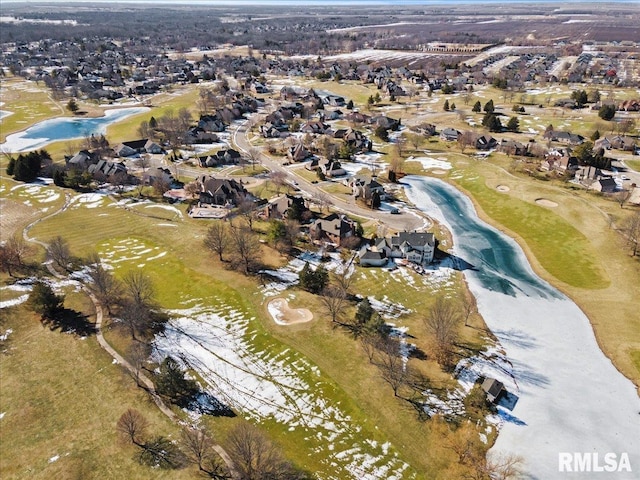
[570, 397]
[276, 384]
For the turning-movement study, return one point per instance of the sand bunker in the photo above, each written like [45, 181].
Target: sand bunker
[502, 188]
[284, 315]
[546, 203]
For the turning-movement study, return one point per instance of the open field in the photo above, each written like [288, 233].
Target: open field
[59, 410]
[29, 104]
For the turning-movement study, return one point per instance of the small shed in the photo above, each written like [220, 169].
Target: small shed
[493, 388]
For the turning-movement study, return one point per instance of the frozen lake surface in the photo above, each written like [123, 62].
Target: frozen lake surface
[570, 396]
[64, 128]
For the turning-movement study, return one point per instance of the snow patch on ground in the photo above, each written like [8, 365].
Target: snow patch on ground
[271, 383]
[428, 162]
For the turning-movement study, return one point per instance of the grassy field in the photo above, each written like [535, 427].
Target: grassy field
[29, 103]
[60, 407]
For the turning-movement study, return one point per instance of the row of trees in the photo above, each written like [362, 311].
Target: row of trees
[26, 167]
[254, 456]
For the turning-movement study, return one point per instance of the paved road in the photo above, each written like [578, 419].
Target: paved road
[408, 220]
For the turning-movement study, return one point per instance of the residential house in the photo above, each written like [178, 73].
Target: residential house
[449, 134]
[160, 174]
[131, 148]
[221, 191]
[493, 388]
[152, 147]
[212, 123]
[331, 168]
[364, 187]
[606, 185]
[373, 258]
[511, 147]
[221, 157]
[106, 169]
[315, 126]
[357, 118]
[415, 247]
[486, 142]
[385, 122]
[269, 130]
[298, 153]
[333, 228]
[617, 142]
[357, 140]
[567, 138]
[81, 160]
[426, 129]
[279, 207]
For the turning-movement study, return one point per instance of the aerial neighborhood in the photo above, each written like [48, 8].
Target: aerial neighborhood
[325, 241]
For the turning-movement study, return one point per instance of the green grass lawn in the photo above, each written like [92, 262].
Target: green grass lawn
[634, 164]
[29, 103]
[559, 247]
[60, 407]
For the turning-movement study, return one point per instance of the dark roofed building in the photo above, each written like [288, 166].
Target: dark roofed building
[493, 388]
[221, 191]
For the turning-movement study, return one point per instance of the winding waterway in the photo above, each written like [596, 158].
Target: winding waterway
[570, 396]
[64, 128]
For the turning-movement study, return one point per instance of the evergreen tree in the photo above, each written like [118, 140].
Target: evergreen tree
[44, 301]
[595, 135]
[171, 382]
[350, 105]
[313, 281]
[11, 166]
[452, 107]
[477, 107]
[445, 107]
[607, 112]
[513, 124]
[488, 107]
[364, 312]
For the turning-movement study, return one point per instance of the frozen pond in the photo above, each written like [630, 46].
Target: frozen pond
[570, 396]
[64, 128]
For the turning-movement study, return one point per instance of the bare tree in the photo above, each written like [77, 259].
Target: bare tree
[631, 227]
[334, 301]
[137, 355]
[323, 200]
[469, 306]
[139, 288]
[291, 231]
[466, 139]
[391, 364]
[396, 163]
[218, 238]
[198, 446]
[160, 186]
[442, 325]
[278, 177]
[622, 196]
[133, 426]
[103, 284]
[415, 139]
[247, 209]
[245, 247]
[503, 467]
[59, 253]
[254, 456]
[12, 254]
[254, 156]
